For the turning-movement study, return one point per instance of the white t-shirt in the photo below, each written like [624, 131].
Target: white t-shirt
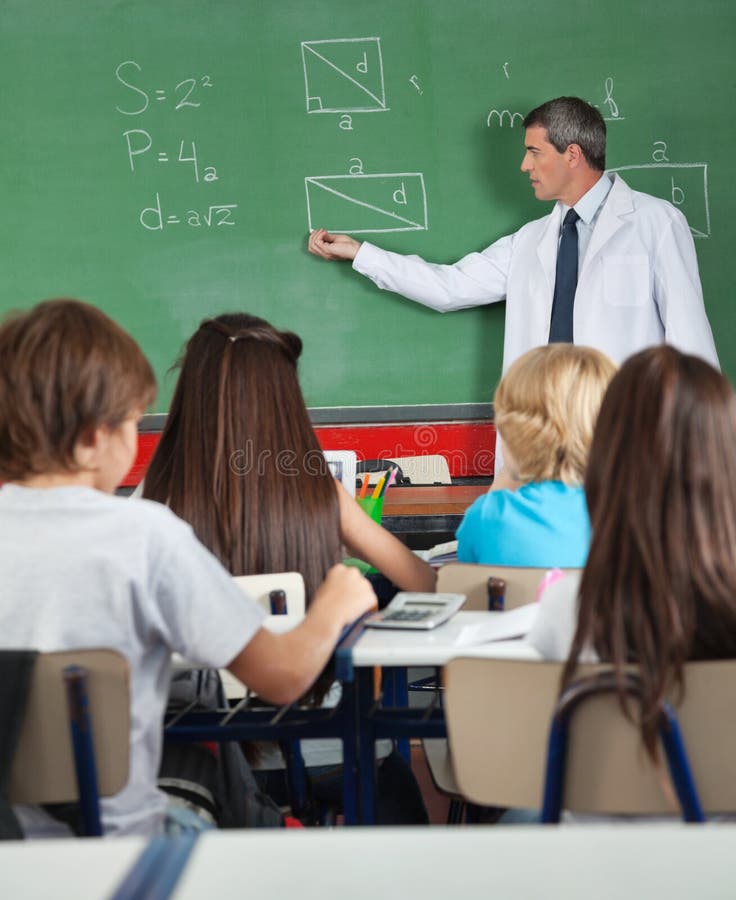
[557, 618]
[83, 569]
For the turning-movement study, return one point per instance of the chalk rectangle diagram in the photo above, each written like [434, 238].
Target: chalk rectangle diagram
[365, 204]
[685, 185]
[344, 75]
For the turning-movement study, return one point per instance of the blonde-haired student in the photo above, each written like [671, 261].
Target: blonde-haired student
[82, 568]
[545, 411]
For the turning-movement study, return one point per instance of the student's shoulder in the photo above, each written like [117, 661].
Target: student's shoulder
[490, 505]
[149, 516]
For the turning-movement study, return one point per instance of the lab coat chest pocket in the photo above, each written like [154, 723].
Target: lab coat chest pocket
[626, 279]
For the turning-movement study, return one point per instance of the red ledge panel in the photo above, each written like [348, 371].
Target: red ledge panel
[467, 446]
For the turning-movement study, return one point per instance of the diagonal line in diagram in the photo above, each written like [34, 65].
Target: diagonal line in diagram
[353, 200]
[363, 204]
[345, 74]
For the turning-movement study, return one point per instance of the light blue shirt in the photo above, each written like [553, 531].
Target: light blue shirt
[588, 207]
[542, 524]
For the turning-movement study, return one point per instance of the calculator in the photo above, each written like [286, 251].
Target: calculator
[416, 611]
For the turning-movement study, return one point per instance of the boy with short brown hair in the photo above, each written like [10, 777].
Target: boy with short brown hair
[82, 568]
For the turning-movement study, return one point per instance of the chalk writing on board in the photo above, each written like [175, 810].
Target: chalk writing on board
[187, 93]
[142, 150]
[685, 185]
[506, 70]
[499, 116]
[344, 75]
[139, 142]
[364, 204]
[215, 216]
[415, 81]
[610, 105]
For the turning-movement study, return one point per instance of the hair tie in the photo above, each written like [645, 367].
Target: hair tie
[288, 343]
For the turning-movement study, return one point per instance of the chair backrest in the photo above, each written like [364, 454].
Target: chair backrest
[258, 587]
[498, 716]
[430, 468]
[471, 579]
[43, 767]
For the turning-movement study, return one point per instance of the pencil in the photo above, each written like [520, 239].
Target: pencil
[364, 486]
[378, 488]
[391, 479]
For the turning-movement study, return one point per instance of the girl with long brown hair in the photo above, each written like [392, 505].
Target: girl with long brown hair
[239, 460]
[659, 587]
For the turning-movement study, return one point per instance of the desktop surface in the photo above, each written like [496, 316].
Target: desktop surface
[436, 863]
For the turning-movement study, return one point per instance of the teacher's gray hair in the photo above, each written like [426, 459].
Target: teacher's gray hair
[570, 120]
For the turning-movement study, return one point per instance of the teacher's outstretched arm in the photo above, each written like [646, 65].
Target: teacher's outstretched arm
[332, 246]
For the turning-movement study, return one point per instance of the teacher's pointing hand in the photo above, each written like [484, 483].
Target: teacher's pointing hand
[332, 246]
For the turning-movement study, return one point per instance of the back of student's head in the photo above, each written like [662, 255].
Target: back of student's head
[238, 458]
[545, 409]
[65, 367]
[659, 587]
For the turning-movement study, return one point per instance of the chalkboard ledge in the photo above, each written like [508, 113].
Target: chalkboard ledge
[370, 415]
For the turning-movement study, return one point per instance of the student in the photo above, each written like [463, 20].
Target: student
[659, 587]
[239, 460]
[544, 410]
[82, 568]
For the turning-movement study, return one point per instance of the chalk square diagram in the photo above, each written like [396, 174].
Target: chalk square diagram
[344, 75]
[685, 185]
[365, 204]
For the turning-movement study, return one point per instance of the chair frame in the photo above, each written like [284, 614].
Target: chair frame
[499, 714]
[96, 684]
[572, 697]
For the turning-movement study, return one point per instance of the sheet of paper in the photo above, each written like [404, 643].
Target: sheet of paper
[500, 626]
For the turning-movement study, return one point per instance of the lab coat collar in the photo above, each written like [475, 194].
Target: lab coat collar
[547, 247]
[619, 203]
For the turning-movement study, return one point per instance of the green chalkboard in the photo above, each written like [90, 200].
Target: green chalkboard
[161, 158]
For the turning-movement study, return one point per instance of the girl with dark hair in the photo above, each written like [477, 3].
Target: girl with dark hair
[239, 460]
[659, 587]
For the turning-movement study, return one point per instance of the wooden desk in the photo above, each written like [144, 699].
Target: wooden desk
[66, 869]
[387, 647]
[438, 863]
[392, 716]
[433, 508]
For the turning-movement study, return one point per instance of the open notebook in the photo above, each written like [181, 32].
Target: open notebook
[499, 626]
[439, 554]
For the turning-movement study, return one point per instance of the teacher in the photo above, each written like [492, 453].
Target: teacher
[609, 267]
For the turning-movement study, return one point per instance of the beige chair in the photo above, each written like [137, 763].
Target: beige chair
[258, 587]
[430, 468]
[43, 767]
[498, 716]
[471, 579]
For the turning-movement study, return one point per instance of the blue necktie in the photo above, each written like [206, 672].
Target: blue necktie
[566, 280]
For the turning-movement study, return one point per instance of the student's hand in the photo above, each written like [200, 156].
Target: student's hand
[343, 596]
[332, 246]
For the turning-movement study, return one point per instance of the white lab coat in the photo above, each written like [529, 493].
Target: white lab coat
[638, 283]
